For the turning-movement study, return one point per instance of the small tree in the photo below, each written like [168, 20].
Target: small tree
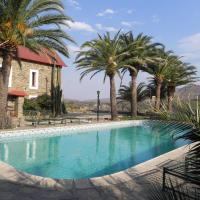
[126, 95]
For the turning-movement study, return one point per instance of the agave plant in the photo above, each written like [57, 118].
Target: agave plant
[185, 118]
[187, 114]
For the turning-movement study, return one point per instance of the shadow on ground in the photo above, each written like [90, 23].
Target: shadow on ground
[138, 186]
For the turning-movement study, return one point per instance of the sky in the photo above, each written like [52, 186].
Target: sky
[175, 23]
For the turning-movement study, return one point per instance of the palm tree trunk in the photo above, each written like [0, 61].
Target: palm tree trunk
[113, 101]
[4, 78]
[133, 94]
[171, 92]
[158, 94]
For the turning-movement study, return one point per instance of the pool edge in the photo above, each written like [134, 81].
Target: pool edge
[10, 174]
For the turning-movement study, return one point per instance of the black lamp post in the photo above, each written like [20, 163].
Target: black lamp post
[98, 104]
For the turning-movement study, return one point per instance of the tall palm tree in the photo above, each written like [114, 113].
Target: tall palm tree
[159, 69]
[125, 93]
[104, 54]
[151, 89]
[179, 74]
[140, 51]
[34, 24]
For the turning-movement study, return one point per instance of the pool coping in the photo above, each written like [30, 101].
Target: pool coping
[60, 130]
[9, 173]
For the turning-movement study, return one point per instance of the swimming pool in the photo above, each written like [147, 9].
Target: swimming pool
[89, 153]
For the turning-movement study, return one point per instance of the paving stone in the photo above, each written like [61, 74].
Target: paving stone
[89, 194]
[7, 196]
[64, 184]
[83, 184]
[54, 194]
[99, 182]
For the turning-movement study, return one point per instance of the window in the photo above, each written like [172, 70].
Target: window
[33, 82]
[10, 78]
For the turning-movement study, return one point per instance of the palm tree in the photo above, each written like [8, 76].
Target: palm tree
[140, 51]
[34, 24]
[125, 93]
[159, 69]
[151, 89]
[104, 54]
[179, 74]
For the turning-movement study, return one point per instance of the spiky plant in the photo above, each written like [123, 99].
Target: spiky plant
[182, 123]
[35, 24]
[186, 115]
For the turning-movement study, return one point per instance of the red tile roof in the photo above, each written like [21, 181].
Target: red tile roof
[26, 54]
[18, 93]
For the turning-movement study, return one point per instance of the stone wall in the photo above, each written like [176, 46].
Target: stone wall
[20, 80]
[21, 77]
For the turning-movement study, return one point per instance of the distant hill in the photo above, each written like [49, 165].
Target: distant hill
[103, 100]
[188, 92]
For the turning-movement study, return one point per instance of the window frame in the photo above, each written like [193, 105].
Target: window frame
[36, 79]
[10, 78]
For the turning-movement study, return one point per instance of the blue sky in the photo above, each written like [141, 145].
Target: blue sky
[175, 23]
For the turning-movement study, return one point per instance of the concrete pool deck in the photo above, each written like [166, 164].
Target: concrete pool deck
[133, 183]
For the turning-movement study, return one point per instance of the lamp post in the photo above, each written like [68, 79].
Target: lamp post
[98, 104]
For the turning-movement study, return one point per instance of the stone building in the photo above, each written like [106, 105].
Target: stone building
[31, 76]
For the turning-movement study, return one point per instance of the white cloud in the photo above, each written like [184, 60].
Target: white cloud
[191, 43]
[75, 4]
[81, 26]
[108, 11]
[131, 23]
[189, 47]
[106, 28]
[155, 19]
[73, 49]
[130, 11]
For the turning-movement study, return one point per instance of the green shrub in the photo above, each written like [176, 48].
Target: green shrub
[41, 103]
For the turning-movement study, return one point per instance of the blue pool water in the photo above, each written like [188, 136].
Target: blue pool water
[87, 154]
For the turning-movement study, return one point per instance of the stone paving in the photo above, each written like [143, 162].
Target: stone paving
[134, 183]
[137, 188]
